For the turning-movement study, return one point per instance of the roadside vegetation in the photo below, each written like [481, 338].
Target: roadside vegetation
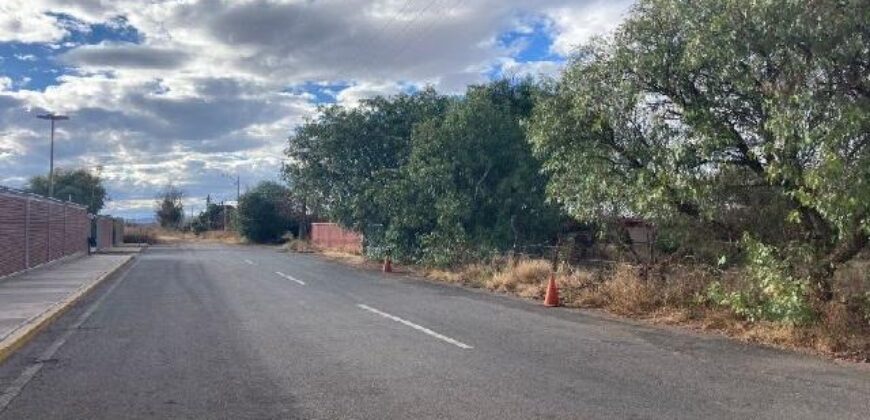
[737, 134]
[268, 212]
[169, 208]
[81, 186]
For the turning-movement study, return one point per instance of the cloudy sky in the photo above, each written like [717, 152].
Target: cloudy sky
[191, 92]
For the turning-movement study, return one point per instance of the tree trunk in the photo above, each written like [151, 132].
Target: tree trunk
[845, 250]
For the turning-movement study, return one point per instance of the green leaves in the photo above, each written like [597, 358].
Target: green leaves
[428, 178]
[343, 160]
[772, 292]
[267, 212]
[726, 112]
[79, 185]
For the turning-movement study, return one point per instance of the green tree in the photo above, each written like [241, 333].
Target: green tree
[426, 177]
[267, 212]
[473, 184]
[213, 217]
[170, 209]
[694, 110]
[341, 159]
[77, 185]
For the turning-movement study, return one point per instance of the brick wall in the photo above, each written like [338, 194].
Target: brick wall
[35, 230]
[13, 214]
[331, 235]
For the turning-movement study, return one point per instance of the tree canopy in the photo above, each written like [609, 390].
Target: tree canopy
[77, 185]
[266, 212]
[425, 176]
[718, 112]
[169, 209]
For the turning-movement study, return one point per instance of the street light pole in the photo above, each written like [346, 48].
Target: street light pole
[52, 118]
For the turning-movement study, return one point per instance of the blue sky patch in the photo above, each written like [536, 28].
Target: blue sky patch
[532, 42]
[35, 66]
[324, 93]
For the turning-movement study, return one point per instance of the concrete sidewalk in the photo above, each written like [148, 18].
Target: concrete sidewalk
[31, 300]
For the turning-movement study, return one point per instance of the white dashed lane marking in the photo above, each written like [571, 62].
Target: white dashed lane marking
[420, 328]
[291, 278]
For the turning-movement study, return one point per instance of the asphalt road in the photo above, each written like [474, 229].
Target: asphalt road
[208, 331]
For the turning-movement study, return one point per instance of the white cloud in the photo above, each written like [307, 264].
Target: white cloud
[26, 21]
[205, 90]
[353, 94]
[574, 26]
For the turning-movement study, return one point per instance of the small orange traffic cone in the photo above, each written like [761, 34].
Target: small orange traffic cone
[552, 298]
[388, 265]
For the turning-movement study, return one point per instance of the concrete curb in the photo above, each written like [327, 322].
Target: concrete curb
[29, 329]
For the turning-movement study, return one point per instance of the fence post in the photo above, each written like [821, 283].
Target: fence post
[64, 229]
[48, 236]
[27, 233]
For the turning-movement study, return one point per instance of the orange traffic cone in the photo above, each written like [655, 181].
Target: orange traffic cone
[388, 265]
[552, 298]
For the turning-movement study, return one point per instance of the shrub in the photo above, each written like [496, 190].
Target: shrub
[266, 213]
[772, 293]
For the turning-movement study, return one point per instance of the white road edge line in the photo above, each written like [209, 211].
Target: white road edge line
[15, 388]
[249, 262]
[291, 278]
[416, 327]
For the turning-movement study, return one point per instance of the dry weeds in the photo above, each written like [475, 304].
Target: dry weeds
[158, 235]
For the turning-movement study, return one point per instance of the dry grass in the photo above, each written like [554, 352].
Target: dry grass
[230, 237]
[300, 246]
[346, 257]
[675, 297]
[158, 235]
[525, 278]
[139, 235]
[625, 293]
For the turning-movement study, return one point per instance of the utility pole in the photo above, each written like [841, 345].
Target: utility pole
[52, 118]
[235, 180]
